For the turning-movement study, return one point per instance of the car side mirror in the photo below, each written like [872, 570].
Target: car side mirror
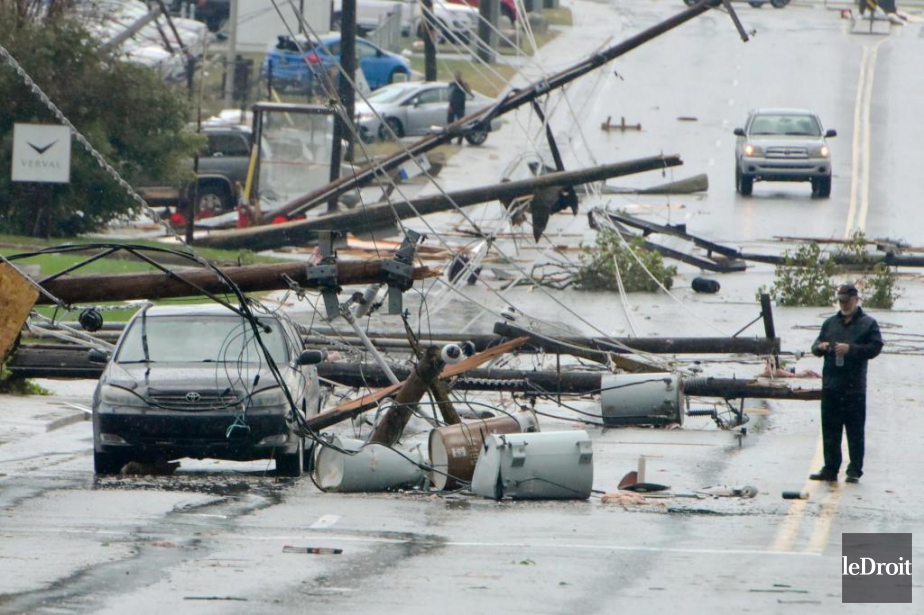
[739, 132]
[831, 133]
[380, 54]
[95, 355]
[312, 357]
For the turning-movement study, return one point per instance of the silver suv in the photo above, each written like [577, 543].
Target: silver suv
[783, 145]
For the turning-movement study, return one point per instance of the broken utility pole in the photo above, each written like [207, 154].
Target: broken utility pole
[385, 214]
[390, 427]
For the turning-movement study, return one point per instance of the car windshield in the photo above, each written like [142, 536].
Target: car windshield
[197, 339]
[780, 124]
[390, 93]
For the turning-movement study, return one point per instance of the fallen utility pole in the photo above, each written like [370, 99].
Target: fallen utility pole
[60, 361]
[385, 214]
[597, 346]
[565, 383]
[418, 381]
[514, 100]
[890, 258]
[125, 287]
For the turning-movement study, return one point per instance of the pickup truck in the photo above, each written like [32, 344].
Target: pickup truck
[222, 163]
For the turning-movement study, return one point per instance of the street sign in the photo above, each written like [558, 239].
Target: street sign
[41, 153]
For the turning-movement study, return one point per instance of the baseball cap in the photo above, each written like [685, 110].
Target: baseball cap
[845, 291]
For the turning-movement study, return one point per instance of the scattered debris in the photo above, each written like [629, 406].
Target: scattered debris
[795, 495]
[747, 491]
[158, 468]
[779, 372]
[312, 550]
[608, 125]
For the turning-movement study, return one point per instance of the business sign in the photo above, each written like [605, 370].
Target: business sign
[41, 153]
[876, 568]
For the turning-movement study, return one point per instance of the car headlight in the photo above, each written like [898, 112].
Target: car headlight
[268, 398]
[822, 152]
[752, 150]
[117, 396]
[365, 115]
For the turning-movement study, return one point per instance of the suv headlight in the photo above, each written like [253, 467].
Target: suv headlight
[752, 150]
[821, 151]
[117, 396]
[268, 398]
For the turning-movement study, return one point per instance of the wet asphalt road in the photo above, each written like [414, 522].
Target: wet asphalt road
[211, 538]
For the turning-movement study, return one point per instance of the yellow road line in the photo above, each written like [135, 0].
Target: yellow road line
[788, 532]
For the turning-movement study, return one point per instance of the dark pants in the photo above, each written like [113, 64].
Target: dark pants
[455, 114]
[843, 410]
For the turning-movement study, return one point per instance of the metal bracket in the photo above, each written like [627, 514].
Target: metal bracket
[325, 273]
[400, 270]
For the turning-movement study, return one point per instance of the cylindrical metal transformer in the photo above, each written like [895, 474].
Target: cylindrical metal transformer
[641, 399]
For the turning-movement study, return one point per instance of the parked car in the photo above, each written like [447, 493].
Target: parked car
[783, 145]
[193, 381]
[288, 68]
[414, 109]
[453, 21]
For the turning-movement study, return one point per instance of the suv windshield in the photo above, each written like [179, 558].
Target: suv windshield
[196, 339]
[795, 125]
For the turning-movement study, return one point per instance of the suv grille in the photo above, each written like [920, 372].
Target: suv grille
[787, 152]
[194, 400]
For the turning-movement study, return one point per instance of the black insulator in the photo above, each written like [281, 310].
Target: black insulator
[705, 285]
[90, 320]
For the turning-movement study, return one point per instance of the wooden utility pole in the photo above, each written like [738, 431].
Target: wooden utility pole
[125, 287]
[384, 214]
[489, 10]
[391, 426]
[429, 41]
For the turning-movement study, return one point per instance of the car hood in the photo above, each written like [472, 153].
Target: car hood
[191, 376]
[795, 140]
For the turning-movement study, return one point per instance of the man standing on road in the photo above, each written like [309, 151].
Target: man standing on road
[458, 93]
[848, 340]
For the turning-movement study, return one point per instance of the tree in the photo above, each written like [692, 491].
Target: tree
[135, 120]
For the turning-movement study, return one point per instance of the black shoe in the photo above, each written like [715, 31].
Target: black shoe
[826, 476]
[853, 478]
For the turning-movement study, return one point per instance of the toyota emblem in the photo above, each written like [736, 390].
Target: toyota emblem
[193, 397]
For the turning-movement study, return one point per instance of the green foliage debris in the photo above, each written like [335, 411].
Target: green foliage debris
[598, 266]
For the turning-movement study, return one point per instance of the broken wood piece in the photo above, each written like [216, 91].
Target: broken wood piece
[608, 125]
[16, 300]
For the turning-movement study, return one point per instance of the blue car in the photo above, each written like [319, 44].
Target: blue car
[288, 69]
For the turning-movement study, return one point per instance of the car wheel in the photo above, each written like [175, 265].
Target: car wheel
[477, 136]
[756, 4]
[396, 128]
[211, 201]
[745, 183]
[778, 4]
[107, 463]
[291, 464]
[821, 187]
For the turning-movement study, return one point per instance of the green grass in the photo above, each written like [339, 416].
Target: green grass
[126, 263]
[558, 17]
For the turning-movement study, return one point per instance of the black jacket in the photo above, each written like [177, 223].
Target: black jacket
[862, 333]
[457, 97]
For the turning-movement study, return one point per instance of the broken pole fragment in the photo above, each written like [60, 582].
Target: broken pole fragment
[389, 429]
